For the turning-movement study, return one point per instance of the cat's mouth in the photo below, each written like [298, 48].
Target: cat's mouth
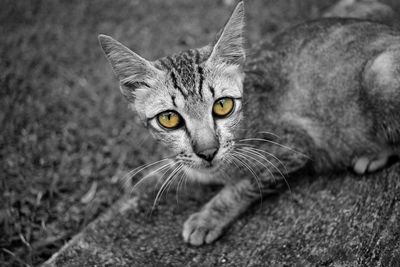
[206, 174]
[209, 167]
[202, 166]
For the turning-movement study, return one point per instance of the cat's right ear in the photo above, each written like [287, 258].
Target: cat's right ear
[229, 47]
[132, 70]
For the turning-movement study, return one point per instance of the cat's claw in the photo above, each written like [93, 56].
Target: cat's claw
[201, 228]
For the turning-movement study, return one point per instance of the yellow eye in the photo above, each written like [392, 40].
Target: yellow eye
[223, 107]
[169, 119]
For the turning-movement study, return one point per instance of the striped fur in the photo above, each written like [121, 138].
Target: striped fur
[185, 70]
[312, 89]
[189, 83]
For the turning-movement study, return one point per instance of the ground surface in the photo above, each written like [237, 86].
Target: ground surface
[66, 133]
[327, 221]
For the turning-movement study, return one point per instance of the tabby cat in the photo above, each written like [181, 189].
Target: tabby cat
[324, 94]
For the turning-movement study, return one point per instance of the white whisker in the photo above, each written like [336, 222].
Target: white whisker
[247, 156]
[229, 159]
[186, 177]
[248, 146]
[127, 177]
[245, 153]
[264, 158]
[175, 176]
[275, 143]
[162, 176]
[255, 153]
[165, 184]
[239, 158]
[168, 165]
[180, 181]
[168, 179]
[265, 132]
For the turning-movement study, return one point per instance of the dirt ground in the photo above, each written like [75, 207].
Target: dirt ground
[66, 133]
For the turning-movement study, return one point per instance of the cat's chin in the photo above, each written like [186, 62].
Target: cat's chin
[206, 174]
[209, 169]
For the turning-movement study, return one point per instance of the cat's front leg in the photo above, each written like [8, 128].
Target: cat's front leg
[207, 225]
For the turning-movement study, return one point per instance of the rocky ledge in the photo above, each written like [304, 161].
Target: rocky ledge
[336, 220]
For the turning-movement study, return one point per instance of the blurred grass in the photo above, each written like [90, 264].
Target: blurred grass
[65, 128]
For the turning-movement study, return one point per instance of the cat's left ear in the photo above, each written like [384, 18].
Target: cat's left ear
[229, 48]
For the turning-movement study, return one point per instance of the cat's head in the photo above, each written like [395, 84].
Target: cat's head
[190, 101]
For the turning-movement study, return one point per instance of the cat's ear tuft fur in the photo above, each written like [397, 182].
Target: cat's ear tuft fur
[132, 70]
[229, 48]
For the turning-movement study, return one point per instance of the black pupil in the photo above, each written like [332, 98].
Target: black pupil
[169, 116]
[221, 103]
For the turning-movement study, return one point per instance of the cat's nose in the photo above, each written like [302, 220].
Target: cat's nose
[208, 154]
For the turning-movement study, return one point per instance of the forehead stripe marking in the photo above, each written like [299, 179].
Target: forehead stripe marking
[175, 83]
[197, 56]
[188, 57]
[174, 73]
[163, 63]
[212, 90]
[173, 100]
[171, 62]
[201, 78]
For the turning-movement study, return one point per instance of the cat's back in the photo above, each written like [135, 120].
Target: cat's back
[325, 60]
[318, 69]
[334, 35]
[314, 53]
[330, 31]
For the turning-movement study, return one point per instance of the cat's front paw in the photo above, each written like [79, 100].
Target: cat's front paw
[202, 228]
